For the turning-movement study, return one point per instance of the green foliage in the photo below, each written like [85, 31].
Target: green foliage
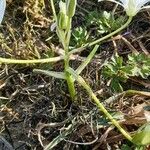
[125, 147]
[105, 21]
[117, 71]
[135, 147]
[80, 36]
[141, 137]
[140, 148]
[140, 64]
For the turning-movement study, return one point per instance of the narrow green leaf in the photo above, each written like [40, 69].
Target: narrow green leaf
[59, 75]
[71, 7]
[88, 59]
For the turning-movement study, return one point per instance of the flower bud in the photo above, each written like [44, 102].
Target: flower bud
[71, 7]
[62, 7]
[62, 21]
[62, 17]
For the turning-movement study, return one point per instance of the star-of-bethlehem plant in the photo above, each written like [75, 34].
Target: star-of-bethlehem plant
[63, 29]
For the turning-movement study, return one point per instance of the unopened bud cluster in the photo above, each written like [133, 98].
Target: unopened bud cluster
[67, 11]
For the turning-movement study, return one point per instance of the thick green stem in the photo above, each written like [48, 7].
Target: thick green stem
[103, 38]
[98, 104]
[66, 41]
[71, 87]
[70, 81]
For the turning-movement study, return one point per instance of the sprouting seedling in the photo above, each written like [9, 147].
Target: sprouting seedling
[2, 9]
[132, 7]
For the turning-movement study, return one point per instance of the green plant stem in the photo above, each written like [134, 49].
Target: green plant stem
[70, 81]
[103, 38]
[66, 41]
[34, 61]
[53, 10]
[98, 104]
[71, 87]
